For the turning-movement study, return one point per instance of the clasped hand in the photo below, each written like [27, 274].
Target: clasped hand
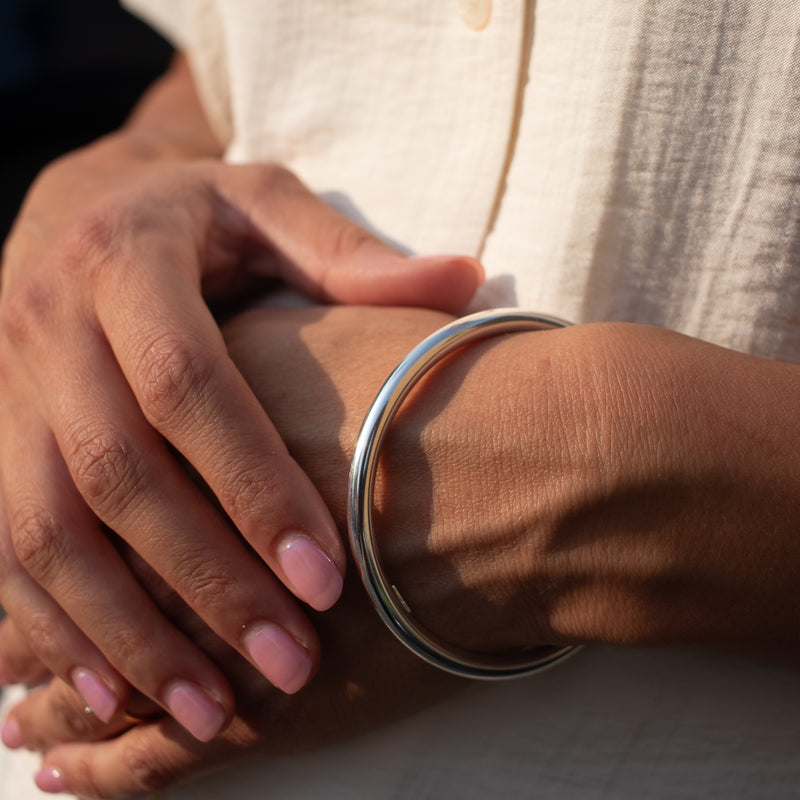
[114, 378]
[580, 484]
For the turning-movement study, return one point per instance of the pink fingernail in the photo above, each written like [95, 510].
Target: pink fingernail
[202, 716]
[284, 662]
[50, 780]
[314, 577]
[98, 696]
[11, 735]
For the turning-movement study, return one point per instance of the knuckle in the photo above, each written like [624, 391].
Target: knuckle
[90, 241]
[272, 183]
[205, 587]
[107, 471]
[38, 541]
[344, 240]
[127, 649]
[25, 309]
[172, 377]
[246, 492]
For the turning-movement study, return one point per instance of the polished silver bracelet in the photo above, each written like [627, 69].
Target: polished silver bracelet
[384, 595]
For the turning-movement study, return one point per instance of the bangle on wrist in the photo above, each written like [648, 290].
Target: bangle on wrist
[385, 597]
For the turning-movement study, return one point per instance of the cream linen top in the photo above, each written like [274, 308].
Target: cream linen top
[606, 159]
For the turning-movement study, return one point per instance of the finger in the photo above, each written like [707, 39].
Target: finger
[137, 488]
[80, 580]
[54, 713]
[126, 475]
[37, 635]
[146, 758]
[331, 257]
[175, 360]
[18, 663]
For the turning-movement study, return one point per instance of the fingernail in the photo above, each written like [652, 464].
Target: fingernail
[195, 710]
[314, 577]
[98, 696]
[50, 780]
[284, 662]
[11, 734]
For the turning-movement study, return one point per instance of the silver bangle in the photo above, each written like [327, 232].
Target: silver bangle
[364, 466]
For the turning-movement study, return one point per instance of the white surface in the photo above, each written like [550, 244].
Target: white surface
[609, 724]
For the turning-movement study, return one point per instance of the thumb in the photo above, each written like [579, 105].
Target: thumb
[326, 255]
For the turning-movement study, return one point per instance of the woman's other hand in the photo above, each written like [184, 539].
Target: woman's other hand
[114, 374]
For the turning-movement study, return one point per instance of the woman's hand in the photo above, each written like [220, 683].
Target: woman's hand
[113, 374]
[599, 483]
[317, 371]
[366, 679]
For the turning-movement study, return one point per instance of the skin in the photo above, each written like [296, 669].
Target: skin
[599, 483]
[114, 377]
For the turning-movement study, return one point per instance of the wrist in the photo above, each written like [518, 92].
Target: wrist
[170, 122]
[457, 515]
[600, 483]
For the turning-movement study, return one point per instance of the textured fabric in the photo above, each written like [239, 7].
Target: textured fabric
[607, 159]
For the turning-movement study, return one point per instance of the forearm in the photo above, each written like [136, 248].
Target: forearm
[646, 484]
[169, 120]
[599, 483]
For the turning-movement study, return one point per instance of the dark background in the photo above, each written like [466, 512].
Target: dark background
[70, 70]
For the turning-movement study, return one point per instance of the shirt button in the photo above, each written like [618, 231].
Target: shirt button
[476, 13]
